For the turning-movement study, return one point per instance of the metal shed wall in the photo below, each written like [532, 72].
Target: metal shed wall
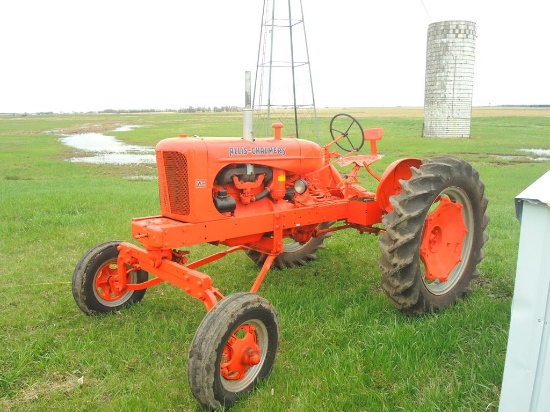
[527, 367]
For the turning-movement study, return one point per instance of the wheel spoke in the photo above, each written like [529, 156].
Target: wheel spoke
[340, 121]
[349, 127]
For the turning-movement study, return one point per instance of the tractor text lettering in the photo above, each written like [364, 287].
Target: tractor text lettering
[266, 151]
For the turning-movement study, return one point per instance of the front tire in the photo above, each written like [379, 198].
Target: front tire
[93, 278]
[434, 236]
[234, 346]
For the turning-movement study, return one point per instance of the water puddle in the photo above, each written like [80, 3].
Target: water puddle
[105, 149]
[126, 128]
[541, 154]
[528, 155]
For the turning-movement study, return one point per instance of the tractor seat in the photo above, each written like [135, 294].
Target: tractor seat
[372, 135]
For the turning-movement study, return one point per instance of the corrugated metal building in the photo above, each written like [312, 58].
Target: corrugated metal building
[527, 367]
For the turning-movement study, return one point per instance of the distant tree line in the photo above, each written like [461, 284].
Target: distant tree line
[215, 109]
[26, 114]
[188, 109]
[544, 106]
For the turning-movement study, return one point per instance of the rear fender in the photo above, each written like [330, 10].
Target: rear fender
[389, 184]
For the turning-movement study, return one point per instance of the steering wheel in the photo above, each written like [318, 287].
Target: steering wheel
[343, 125]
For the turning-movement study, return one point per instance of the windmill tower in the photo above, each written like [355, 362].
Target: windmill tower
[283, 87]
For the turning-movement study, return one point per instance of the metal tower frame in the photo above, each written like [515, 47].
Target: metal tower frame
[273, 23]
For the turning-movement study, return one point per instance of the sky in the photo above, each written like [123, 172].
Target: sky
[82, 55]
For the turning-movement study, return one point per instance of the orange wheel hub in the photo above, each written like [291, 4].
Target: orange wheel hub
[106, 283]
[442, 240]
[241, 352]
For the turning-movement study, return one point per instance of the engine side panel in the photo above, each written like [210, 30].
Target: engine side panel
[188, 168]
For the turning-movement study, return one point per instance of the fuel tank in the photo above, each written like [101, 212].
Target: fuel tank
[188, 166]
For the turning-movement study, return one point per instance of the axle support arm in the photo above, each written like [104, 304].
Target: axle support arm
[195, 283]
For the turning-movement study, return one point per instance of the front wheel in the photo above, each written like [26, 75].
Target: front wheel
[234, 346]
[94, 281]
[434, 236]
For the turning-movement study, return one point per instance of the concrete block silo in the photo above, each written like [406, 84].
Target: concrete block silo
[449, 86]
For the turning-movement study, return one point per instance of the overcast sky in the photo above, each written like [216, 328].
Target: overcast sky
[87, 55]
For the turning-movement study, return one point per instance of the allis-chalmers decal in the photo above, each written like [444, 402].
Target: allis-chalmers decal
[265, 151]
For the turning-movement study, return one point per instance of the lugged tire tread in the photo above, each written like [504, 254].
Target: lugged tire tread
[300, 257]
[400, 261]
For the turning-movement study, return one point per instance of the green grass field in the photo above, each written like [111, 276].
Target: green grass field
[343, 346]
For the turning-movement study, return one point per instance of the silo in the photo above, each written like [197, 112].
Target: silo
[450, 60]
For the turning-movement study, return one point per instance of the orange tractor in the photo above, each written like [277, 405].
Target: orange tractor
[277, 199]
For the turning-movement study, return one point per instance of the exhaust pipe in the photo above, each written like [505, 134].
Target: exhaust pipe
[248, 114]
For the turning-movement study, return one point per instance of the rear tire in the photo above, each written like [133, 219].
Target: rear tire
[409, 260]
[294, 253]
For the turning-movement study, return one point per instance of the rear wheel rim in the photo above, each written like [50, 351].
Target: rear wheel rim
[459, 216]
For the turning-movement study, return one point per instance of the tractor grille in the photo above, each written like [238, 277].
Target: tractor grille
[175, 168]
